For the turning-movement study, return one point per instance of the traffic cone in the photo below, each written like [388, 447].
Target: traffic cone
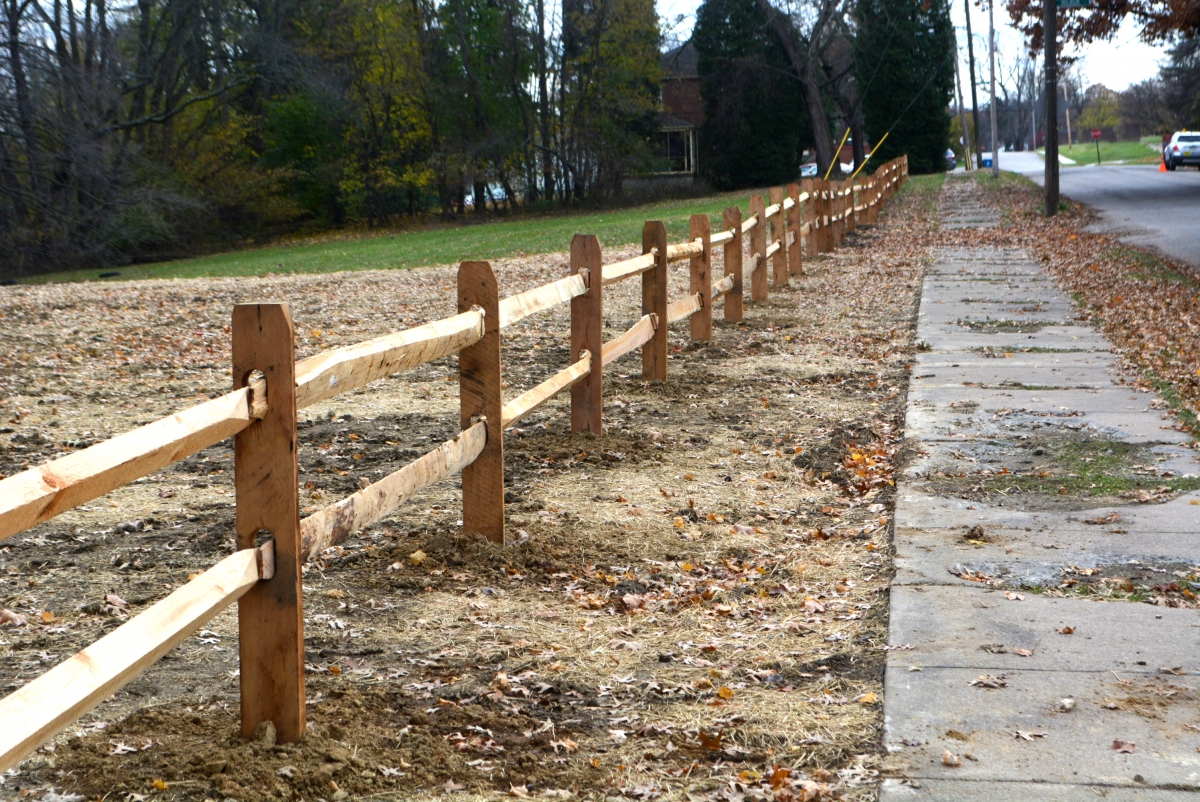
[1162, 165]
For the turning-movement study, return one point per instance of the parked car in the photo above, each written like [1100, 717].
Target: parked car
[1184, 148]
[808, 170]
[951, 159]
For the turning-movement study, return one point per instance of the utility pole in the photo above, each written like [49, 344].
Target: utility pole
[992, 68]
[1050, 50]
[962, 112]
[974, 94]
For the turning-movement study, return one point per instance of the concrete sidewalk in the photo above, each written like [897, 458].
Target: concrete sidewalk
[986, 698]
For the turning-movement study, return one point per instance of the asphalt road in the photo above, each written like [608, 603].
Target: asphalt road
[1138, 204]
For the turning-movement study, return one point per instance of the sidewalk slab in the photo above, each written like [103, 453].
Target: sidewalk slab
[1008, 791]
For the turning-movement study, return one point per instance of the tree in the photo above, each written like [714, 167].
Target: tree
[908, 46]
[1160, 20]
[747, 88]
[1100, 108]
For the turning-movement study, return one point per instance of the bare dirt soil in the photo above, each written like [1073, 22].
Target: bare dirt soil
[692, 607]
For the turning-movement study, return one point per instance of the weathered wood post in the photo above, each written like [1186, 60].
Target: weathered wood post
[851, 210]
[266, 484]
[701, 272]
[587, 334]
[839, 211]
[758, 250]
[779, 261]
[733, 264]
[654, 301]
[480, 397]
[810, 216]
[793, 226]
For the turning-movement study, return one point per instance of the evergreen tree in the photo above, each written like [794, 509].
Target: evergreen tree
[904, 52]
[755, 125]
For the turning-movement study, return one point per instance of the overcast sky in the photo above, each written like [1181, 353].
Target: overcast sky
[1116, 64]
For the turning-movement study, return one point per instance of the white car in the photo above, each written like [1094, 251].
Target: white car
[1184, 148]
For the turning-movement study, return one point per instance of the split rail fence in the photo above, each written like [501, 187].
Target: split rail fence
[273, 542]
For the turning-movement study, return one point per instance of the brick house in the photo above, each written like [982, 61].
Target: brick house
[682, 109]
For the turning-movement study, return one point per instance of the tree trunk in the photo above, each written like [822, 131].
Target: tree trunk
[13, 14]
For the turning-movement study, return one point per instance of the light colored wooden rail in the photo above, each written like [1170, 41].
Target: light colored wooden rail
[39, 494]
[637, 336]
[772, 210]
[721, 287]
[720, 238]
[522, 305]
[749, 223]
[531, 399]
[328, 374]
[683, 308]
[687, 250]
[35, 712]
[773, 248]
[619, 271]
[326, 527]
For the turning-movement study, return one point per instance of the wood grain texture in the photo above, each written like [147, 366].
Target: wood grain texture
[758, 245]
[721, 287]
[587, 334]
[38, 494]
[654, 301]
[732, 219]
[684, 308]
[686, 250]
[809, 214]
[34, 713]
[266, 481]
[336, 522]
[480, 396]
[533, 398]
[323, 376]
[619, 271]
[796, 245]
[779, 261]
[700, 266]
[522, 305]
[634, 338]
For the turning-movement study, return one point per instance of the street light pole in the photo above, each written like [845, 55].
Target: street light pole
[1050, 45]
[992, 53]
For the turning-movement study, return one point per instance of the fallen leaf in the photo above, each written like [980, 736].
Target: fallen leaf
[710, 742]
[950, 759]
[159, 785]
[290, 771]
[452, 786]
[1023, 652]
[416, 558]
[868, 698]
[9, 617]
[1022, 735]
[1123, 746]
[1067, 631]
[988, 681]
[617, 736]
[1014, 596]
[725, 692]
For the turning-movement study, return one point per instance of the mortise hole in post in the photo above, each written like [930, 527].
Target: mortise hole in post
[262, 536]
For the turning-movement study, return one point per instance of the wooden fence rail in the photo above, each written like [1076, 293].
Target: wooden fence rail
[263, 575]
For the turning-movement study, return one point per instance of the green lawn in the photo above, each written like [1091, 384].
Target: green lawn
[445, 244]
[1127, 152]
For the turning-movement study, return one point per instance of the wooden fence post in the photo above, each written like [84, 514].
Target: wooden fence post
[733, 264]
[826, 211]
[758, 248]
[480, 396]
[699, 227]
[792, 226]
[779, 262]
[587, 334]
[839, 209]
[654, 301]
[811, 213]
[266, 483]
[851, 203]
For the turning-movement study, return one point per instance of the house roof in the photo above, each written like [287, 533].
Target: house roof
[668, 122]
[681, 62]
